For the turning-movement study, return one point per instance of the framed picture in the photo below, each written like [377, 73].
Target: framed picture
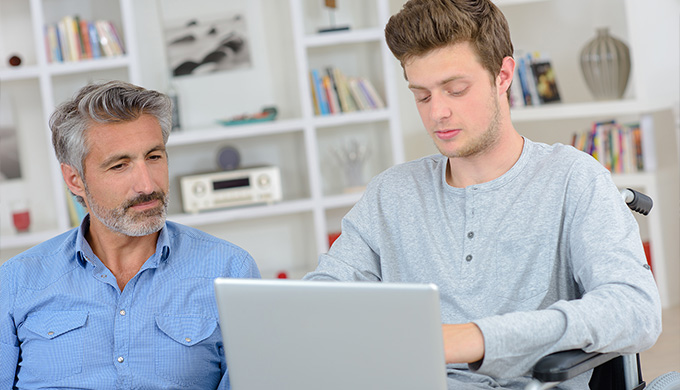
[199, 45]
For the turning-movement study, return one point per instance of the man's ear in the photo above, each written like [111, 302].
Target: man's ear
[73, 180]
[505, 75]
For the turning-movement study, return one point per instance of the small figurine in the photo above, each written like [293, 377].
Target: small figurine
[330, 4]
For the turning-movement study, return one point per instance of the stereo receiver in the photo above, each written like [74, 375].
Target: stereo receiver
[230, 188]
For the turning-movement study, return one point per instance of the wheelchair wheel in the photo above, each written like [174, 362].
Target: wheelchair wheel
[667, 381]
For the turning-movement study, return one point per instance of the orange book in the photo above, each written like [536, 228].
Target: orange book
[85, 39]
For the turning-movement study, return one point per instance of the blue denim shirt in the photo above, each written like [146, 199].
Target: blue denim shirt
[64, 323]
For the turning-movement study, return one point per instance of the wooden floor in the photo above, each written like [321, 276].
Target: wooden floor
[664, 356]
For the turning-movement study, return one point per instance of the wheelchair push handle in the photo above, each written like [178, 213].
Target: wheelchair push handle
[637, 201]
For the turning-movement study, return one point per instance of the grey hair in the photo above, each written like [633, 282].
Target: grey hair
[109, 102]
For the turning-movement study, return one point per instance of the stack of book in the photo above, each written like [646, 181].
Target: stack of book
[74, 39]
[334, 93]
[617, 147]
[534, 82]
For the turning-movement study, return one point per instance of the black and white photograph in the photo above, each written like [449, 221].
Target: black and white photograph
[200, 45]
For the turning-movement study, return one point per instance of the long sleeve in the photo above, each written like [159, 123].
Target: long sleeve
[620, 307]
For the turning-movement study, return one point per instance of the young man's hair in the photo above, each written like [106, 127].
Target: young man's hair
[425, 25]
[109, 102]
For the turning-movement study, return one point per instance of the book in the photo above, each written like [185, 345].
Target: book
[63, 41]
[53, 45]
[315, 99]
[94, 40]
[615, 146]
[85, 39]
[347, 103]
[372, 95]
[320, 95]
[105, 41]
[72, 38]
[333, 105]
[358, 94]
[544, 79]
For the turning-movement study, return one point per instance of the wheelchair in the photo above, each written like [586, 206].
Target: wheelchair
[611, 371]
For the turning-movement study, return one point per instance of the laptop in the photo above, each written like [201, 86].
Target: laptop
[311, 335]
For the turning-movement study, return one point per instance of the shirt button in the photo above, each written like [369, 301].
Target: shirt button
[120, 359]
[468, 258]
[50, 333]
[187, 339]
[471, 234]
[122, 312]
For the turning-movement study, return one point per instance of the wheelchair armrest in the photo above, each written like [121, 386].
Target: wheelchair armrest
[561, 366]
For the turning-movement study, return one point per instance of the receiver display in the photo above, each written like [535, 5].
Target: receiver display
[234, 183]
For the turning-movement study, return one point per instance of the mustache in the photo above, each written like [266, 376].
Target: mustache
[156, 195]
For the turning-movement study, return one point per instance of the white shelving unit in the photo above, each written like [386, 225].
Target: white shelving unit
[296, 229]
[655, 64]
[33, 90]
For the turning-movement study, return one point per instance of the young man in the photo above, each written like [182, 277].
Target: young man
[126, 300]
[531, 245]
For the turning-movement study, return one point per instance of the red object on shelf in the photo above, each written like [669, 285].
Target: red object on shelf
[282, 275]
[648, 253]
[22, 220]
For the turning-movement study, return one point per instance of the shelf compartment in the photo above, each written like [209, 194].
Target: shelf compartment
[339, 143]
[20, 73]
[344, 37]
[284, 150]
[352, 118]
[219, 133]
[88, 65]
[559, 111]
[244, 213]
[27, 240]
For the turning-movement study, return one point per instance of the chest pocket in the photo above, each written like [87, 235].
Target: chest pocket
[52, 344]
[523, 268]
[184, 352]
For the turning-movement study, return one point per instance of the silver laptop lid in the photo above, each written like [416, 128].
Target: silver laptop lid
[304, 335]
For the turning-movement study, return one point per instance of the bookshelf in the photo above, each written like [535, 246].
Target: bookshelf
[295, 230]
[289, 235]
[33, 89]
[655, 63]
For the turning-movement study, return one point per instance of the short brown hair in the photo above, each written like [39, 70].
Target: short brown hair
[425, 25]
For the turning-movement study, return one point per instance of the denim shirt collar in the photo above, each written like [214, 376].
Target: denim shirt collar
[84, 253]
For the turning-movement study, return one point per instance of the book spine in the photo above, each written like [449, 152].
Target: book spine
[72, 38]
[315, 99]
[63, 41]
[94, 40]
[104, 40]
[321, 96]
[373, 93]
[85, 40]
[358, 95]
[333, 107]
[346, 101]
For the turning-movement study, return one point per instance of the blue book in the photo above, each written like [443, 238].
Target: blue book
[94, 40]
[320, 95]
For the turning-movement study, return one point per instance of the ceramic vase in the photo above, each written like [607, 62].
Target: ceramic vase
[605, 62]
